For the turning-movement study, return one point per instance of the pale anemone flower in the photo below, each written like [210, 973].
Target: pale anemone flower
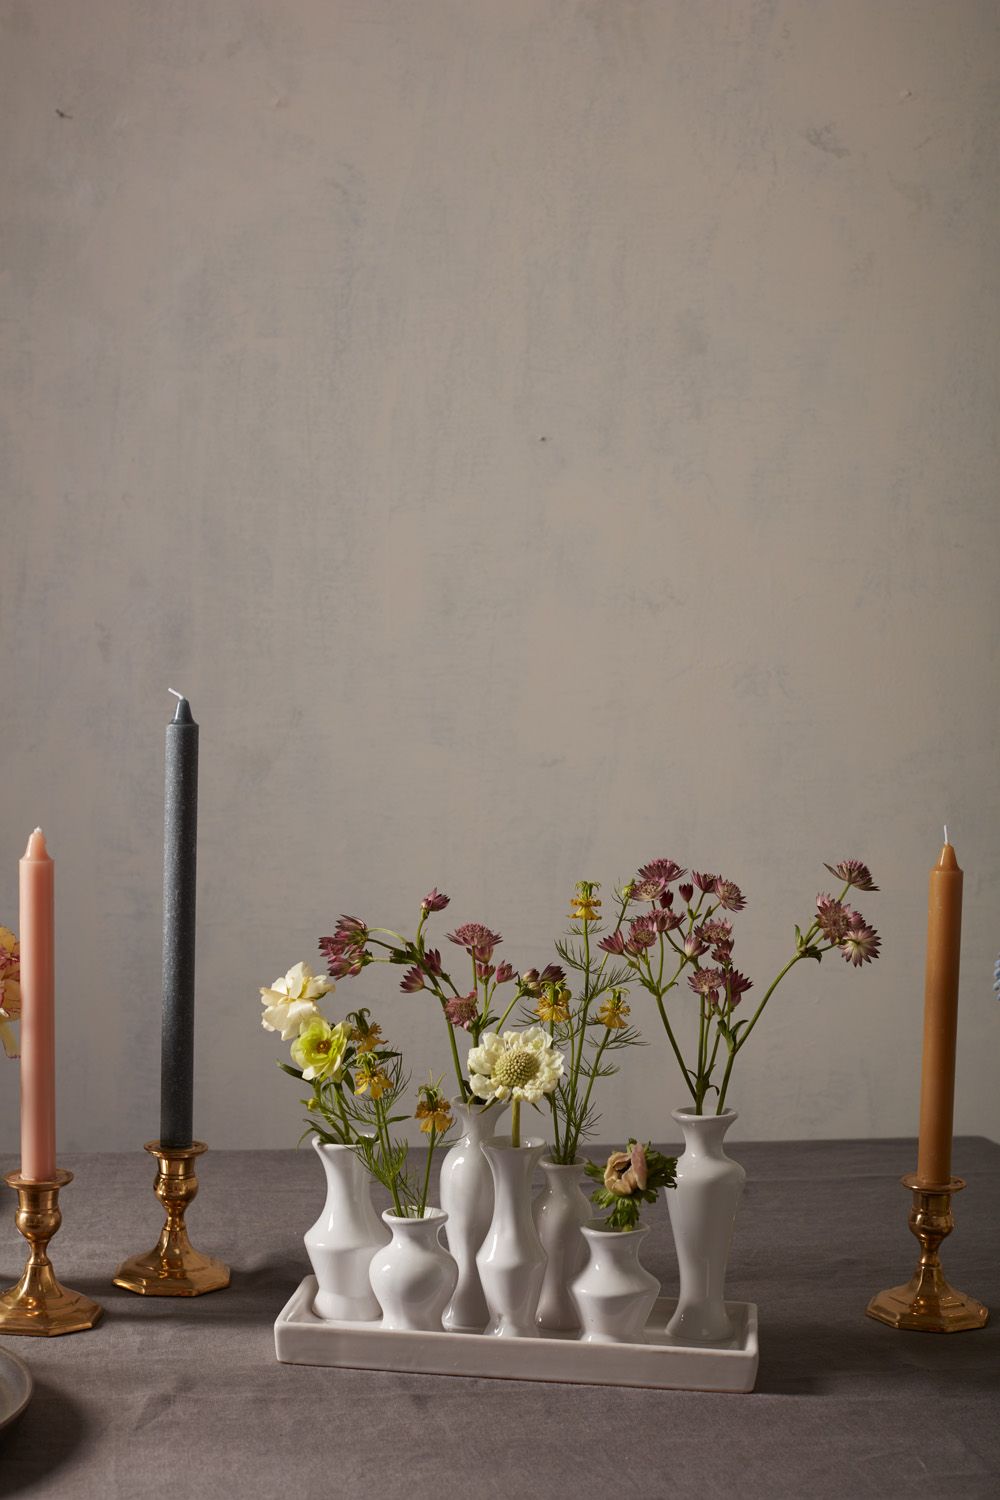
[291, 1002]
[518, 1065]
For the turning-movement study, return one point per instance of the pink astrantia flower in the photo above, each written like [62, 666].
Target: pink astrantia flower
[707, 982]
[855, 873]
[665, 920]
[613, 943]
[351, 930]
[484, 971]
[642, 933]
[505, 972]
[685, 892]
[703, 881]
[411, 981]
[738, 984]
[832, 918]
[861, 942]
[477, 940]
[342, 960]
[432, 961]
[718, 930]
[650, 889]
[729, 894]
[693, 945]
[461, 1011]
[661, 869]
[434, 901]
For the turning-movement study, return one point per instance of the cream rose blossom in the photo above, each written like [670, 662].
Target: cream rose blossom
[291, 1002]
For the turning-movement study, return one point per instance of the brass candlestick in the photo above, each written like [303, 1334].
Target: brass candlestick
[927, 1303]
[173, 1268]
[39, 1305]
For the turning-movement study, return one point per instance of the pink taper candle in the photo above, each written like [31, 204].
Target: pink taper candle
[38, 1038]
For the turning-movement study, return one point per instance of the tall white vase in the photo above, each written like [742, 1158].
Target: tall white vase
[613, 1292]
[344, 1238]
[702, 1211]
[413, 1276]
[511, 1260]
[560, 1212]
[466, 1192]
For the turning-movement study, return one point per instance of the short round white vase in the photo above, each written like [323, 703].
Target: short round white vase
[413, 1277]
[344, 1238]
[560, 1212]
[614, 1293]
[466, 1192]
[702, 1210]
[511, 1260]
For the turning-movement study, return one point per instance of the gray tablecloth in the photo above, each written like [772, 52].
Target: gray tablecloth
[176, 1398]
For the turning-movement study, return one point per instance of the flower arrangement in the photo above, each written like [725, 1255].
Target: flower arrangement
[671, 936]
[10, 990]
[355, 945]
[590, 1026]
[629, 1179]
[357, 1082]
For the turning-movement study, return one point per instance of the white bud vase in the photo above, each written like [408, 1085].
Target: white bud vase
[702, 1211]
[511, 1260]
[413, 1276]
[466, 1191]
[560, 1212]
[344, 1238]
[614, 1293]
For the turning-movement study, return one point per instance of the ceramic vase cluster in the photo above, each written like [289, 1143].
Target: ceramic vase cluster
[515, 1268]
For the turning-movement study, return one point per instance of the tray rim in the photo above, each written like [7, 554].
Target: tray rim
[665, 1360]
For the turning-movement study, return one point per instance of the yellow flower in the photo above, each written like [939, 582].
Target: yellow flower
[368, 1038]
[613, 1012]
[319, 1050]
[553, 1003]
[586, 905]
[434, 1113]
[370, 1077]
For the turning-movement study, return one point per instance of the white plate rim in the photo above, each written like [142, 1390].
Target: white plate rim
[9, 1357]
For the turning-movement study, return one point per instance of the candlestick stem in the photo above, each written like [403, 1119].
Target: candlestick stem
[39, 1305]
[173, 1268]
[927, 1304]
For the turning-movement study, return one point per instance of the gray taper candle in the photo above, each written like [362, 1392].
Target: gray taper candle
[180, 854]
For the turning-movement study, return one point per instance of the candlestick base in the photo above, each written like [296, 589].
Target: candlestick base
[173, 1268]
[39, 1307]
[927, 1304]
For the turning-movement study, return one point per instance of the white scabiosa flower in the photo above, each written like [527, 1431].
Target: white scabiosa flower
[291, 1002]
[518, 1065]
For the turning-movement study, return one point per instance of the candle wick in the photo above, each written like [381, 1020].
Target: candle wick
[176, 693]
[946, 833]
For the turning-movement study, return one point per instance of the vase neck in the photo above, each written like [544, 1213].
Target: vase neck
[416, 1229]
[704, 1134]
[474, 1124]
[346, 1175]
[512, 1169]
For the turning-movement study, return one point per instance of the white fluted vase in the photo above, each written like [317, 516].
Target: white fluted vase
[614, 1293]
[511, 1260]
[560, 1212]
[702, 1211]
[344, 1238]
[466, 1192]
[413, 1277]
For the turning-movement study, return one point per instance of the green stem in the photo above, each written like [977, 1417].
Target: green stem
[515, 1122]
[586, 1098]
[427, 1173]
[463, 1089]
[673, 1042]
[746, 1034]
[383, 1136]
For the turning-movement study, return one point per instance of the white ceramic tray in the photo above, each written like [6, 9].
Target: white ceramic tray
[300, 1338]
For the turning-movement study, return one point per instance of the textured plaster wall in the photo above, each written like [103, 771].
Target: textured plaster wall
[539, 435]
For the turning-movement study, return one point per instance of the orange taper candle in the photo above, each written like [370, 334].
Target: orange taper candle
[38, 1041]
[937, 1089]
